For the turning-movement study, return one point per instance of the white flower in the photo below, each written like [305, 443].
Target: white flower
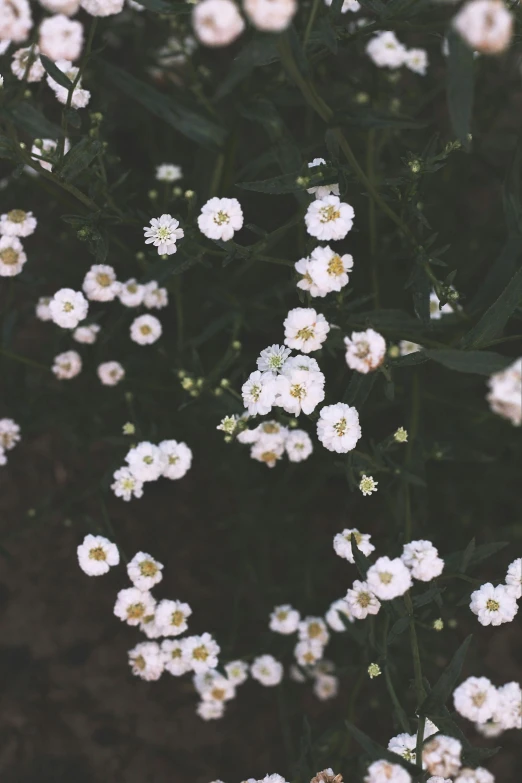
[368, 485]
[102, 7]
[476, 699]
[328, 269]
[86, 334]
[365, 351]
[12, 256]
[237, 672]
[126, 485]
[333, 615]
[342, 543]
[68, 308]
[178, 458]
[493, 605]
[47, 150]
[272, 359]
[321, 191]
[329, 218]
[168, 172]
[110, 373]
[338, 427]
[149, 627]
[259, 393]
[348, 5]
[388, 579]
[146, 660]
[386, 51]
[163, 233]
[15, 20]
[315, 629]
[171, 617]
[385, 772]
[61, 38]
[9, 434]
[145, 329]
[144, 572]
[326, 686]
[305, 329]
[477, 775]
[406, 347]
[266, 670]
[132, 605]
[100, 284]
[308, 651]
[306, 282]
[220, 218]
[67, 365]
[508, 712]
[361, 600]
[146, 461]
[210, 710]
[298, 392]
[422, 558]
[21, 68]
[485, 25]
[489, 729]
[42, 309]
[404, 745]
[298, 445]
[218, 688]
[80, 97]
[441, 756]
[514, 577]
[154, 297]
[267, 450]
[217, 22]
[3, 458]
[173, 658]
[284, 619]
[270, 15]
[131, 293]
[300, 362]
[436, 311]
[69, 7]
[201, 652]
[505, 395]
[97, 554]
[417, 61]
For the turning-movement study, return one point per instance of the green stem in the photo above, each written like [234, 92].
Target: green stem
[23, 360]
[372, 218]
[417, 669]
[310, 23]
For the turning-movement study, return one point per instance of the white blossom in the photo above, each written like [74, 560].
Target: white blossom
[12, 256]
[307, 363]
[505, 393]
[284, 619]
[361, 600]
[329, 218]
[388, 579]
[163, 233]
[131, 293]
[485, 25]
[365, 351]
[476, 699]
[217, 22]
[132, 605]
[333, 615]
[68, 308]
[298, 445]
[441, 756]
[171, 617]
[348, 5]
[338, 427]
[237, 672]
[329, 270]
[154, 297]
[69, 7]
[267, 450]
[259, 393]
[144, 571]
[110, 373]
[313, 628]
[174, 660]
[102, 7]
[126, 485]
[168, 172]
[308, 651]
[86, 334]
[477, 775]
[306, 282]
[146, 461]
[42, 310]
[272, 359]
[493, 605]
[305, 329]
[404, 745]
[267, 670]
[146, 660]
[320, 191]
[270, 15]
[385, 772]
[422, 558]
[508, 712]
[20, 64]
[201, 652]
[326, 687]
[60, 38]
[386, 51]
[47, 150]
[80, 97]
[15, 20]
[100, 284]
[220, 218]
[342, 543]
[210, 710]
[145, 329]
[9, 434]
[178, 458]
[67, 365]
[97, 554]
[298, 392]
[514, 577]
[417, 61]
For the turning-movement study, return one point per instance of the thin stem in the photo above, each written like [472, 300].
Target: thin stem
[310, 23]
[412, 434]
[372, 219]
[417, 669]
[23, 360]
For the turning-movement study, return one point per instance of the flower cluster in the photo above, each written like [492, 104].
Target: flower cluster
[478, 700]
[146, 462]
[9, 437]
[218, 22]
[270, 440]
[386, 51]
[497, 605]
[14, 225]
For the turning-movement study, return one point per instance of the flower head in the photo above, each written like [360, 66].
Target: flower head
[132, 605]
[441, 756]
[110, 373]
[284, 619]
[17, 223]
[329, 218]
[267, 670]
[174, 659]
[270, 15]
[338, 610]
[86, 334]
[178, 458]
[146, 661]
[12, 256]
[493, 605]
[422, 558]
[368, 485]
[505, 395]
[385, 772]
[171, 617]
[485, 25]
[144, 572]
[338, 427]
[298, 445]
[163, 233]
[67, 365]
[146, 461]
[201, 652]
[259, 393]
[272, 359]
[60, 38]
[68, 308]
[365, 351]
[126, 485]
[100, 283]
[476, 699]
[388, 578]
[168, 172]
[342, 543]
[217, 22]
[305, 329]
[97, 554]
[9, 434]
[320, 191]
[220, 218]
[145, 329]
[361, 600]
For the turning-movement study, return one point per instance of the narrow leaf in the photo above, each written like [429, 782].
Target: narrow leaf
[55, 73]
[377, 752]
[445, 685]
[79, 158]
[495, 318]
[479, 362]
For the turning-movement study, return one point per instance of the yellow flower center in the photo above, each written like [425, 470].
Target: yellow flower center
[492, 605]
[177, 618]
[145, 329]
[200, 653]
[9, 256]
[221, 217]
[314, 630]
[478, 699]
[16, 216]
[282, 615]
[135, 611]
[364, 600]
[298, 391]
[328, 214]
[385, 577]
[218, 694]
[139, 662]
[335, 266]
[305, 334]
[270, 428]
[98, 553]
[103, 279]
[308, 657]
[268, 456]
[340, 427]
[148, 568]
[176, 653]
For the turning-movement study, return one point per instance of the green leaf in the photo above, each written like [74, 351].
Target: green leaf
[397, 628]
[479, 362]
[79, 158]
[187, 121]
[287, 183]
[480, 553]
[445, 685]
[261, 50]
[26, 117]
[55, 73]
[374, 119]
[377, 752]
[359, 388]
[361, 561]
[496, 317]
[466, 556]
[427, 597]
[460, 87]
[7, 148]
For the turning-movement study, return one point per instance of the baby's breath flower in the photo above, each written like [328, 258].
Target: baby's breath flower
[400, 435]
[163, 233]
[368, 485]
[438, 624]
[374, 670]
[96, 555]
